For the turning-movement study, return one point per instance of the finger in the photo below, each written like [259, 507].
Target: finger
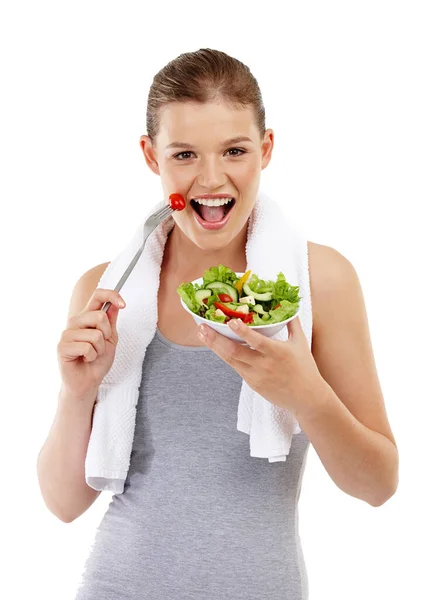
[92, 336]
[294, 328]
[100, 296]
[73, 350]
[233, 353]
[90, 320]
[256, 340]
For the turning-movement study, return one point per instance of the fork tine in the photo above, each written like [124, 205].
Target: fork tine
[162, 213]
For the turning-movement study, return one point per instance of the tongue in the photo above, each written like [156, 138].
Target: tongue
[212, 213]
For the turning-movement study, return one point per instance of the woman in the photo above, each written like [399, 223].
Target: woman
[199, 518]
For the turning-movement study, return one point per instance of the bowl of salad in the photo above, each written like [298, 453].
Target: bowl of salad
[221, 295]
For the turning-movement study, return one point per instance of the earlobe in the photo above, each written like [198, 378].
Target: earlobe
[149, 153]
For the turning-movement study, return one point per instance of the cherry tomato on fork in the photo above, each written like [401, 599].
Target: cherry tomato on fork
[177, 202]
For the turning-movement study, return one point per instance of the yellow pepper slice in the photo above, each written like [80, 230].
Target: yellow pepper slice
[239, 285]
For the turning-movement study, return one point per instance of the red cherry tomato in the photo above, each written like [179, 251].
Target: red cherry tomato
[248, 318]
[225, 298]
[177, 202]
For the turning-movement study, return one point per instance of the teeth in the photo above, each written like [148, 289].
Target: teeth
[216, 202]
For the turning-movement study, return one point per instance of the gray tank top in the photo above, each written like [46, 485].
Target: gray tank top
[199, 519]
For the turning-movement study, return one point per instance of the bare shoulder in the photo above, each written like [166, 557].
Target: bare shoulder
[84, 288]
[96, 272]
[334, 284]
[331, 273]
[327, 265]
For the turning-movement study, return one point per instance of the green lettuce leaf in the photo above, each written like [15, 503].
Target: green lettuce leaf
[260, 286]
[219, 273]
[284, 291]
[284, 311]
[187, 294]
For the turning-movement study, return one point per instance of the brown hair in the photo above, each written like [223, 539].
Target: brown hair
[204, 76]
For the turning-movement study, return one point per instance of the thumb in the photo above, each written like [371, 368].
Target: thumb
[112, 314]
[294, 327]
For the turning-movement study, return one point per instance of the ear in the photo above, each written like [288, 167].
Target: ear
[149, 153]
[267, 148]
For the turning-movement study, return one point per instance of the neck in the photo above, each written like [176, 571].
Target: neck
[183, 258]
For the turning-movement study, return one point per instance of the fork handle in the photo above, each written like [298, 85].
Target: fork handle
[160, 215]
[125, 275]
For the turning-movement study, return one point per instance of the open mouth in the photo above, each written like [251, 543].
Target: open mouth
[202, 213]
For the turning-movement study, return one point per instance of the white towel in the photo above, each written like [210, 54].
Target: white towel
[273, 244]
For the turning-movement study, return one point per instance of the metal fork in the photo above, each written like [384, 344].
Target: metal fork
[149, 226]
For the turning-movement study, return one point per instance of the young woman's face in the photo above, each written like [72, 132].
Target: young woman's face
[205, 161]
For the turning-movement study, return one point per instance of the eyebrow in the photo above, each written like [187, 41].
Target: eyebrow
[234, 140]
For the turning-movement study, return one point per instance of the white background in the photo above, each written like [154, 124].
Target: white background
[347, 89]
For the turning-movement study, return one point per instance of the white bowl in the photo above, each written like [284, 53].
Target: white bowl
[223, 328]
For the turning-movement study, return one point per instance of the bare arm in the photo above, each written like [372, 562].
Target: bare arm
[346, 420]
[61, 460]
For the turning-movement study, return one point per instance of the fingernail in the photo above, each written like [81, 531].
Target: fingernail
[121, 303]
[234, 323]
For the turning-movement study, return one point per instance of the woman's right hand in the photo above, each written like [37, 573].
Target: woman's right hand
[87, 346]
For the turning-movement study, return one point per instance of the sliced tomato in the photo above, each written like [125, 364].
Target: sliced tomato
[225, 298]
[246, 318]
[228, 311]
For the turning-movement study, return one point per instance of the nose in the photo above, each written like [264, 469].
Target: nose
[211, 175]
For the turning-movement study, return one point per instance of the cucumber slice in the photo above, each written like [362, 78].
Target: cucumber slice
[200, 295]
[259, 309]
[264, 297]
[230, 290]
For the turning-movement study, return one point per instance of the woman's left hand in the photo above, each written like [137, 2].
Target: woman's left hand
[282, 372]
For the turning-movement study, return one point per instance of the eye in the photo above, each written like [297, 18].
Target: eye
[238, 150]
[178, 156]
[180, 153]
